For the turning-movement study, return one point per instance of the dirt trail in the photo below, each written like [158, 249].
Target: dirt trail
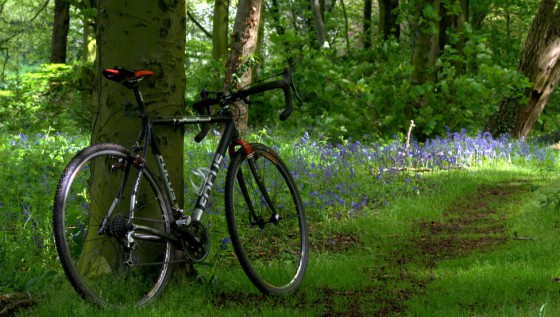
[471, 224]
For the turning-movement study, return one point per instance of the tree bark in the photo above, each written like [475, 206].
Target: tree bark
[478, 12]
[539, 61]
[426, 48]
[260, 50]
[367, 24]
[61, 26]
[451, 23]
[319, 24]
[346, 25]
[241, 56]
[388, 19]
[220, 29]
[275, 13]
[141, 34]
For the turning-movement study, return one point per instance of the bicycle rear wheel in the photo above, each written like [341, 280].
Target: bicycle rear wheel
[266, 221]
[106, 258]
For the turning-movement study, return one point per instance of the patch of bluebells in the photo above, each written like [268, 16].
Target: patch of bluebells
[351, 176]
[30, 169]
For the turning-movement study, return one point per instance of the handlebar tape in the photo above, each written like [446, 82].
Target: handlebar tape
[204, 110]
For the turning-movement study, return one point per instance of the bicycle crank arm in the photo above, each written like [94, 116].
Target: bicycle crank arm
[196, 240]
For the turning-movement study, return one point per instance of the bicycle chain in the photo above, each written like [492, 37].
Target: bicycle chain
[186, 259]
[150, 219]
[155, 263]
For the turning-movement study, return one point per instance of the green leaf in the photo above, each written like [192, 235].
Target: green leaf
[429, 12]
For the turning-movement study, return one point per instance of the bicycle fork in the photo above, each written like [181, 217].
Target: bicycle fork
[264, 197]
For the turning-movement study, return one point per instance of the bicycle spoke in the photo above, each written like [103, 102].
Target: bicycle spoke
[266, 221]
[106, 266]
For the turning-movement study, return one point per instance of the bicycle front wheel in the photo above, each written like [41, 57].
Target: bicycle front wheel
[266, 220]
[106, 257]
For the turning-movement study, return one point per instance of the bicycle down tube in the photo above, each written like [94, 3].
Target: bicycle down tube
[228, 135]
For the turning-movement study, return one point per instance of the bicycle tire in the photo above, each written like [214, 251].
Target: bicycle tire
[272, 252]
[99, 264]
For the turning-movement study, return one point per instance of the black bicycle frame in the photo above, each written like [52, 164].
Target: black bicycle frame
[148, 139]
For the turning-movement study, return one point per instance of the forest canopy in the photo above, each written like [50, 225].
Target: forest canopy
[365, 68]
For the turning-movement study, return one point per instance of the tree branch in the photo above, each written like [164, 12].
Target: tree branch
[28, 24]
[193, 19]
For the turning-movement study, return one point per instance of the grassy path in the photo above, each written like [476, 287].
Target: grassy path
[479, 243]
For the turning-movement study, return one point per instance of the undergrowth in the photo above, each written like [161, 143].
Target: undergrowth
[340, 184]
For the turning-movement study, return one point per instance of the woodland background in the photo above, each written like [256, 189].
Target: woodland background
[364, 68]
[478, 79]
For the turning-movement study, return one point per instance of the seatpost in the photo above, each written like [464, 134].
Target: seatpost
[139, 99]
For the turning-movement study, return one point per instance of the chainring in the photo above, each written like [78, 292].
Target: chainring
[197, 245]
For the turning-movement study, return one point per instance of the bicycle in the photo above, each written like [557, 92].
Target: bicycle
[117, 223]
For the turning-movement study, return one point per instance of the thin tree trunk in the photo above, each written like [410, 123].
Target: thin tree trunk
[88, 31]
[319, 24]
[260, 46]
[346, 27]
[241, 56]
[275, 12]
[452, 23]
[478, 13]
[220, 29]
[61, 26]
[426, 49]
[388, 19]
[367, 24]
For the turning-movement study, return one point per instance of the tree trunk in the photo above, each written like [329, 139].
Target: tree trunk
[426, 48]
[451, 23]
[260, 50]
[346, 25]
[220, 29]
[367, 24]
[141, 34]
[319, 25]
[241, 56]
[275, 13]
[88, 30]
[539, 61]
[478, 12]
[388, 19]
[60, 31]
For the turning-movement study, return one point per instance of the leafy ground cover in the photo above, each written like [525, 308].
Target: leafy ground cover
[457, 226]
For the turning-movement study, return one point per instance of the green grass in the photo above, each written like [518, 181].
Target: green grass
[513, 279]
[470, 242]
[381, 270]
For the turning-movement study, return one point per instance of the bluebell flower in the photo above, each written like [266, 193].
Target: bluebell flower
[23, 138]
[224, 243]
